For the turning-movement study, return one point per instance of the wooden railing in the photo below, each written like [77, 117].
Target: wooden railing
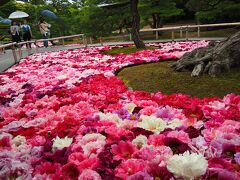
[187, 28]
[17, 46]
[82, 38]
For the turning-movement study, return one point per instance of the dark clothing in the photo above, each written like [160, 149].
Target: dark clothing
[45, 36]
[26, 33]
[16, 38]
[27, 36]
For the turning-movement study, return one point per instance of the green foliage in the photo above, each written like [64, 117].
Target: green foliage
[214, 11]
[2, 2]
[154, 12]
[85, 16]
[162, 7]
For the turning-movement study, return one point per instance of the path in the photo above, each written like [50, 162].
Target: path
[7, 60]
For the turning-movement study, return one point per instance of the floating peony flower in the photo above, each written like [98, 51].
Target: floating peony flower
[187, 166]
[76, 94]
[174, 124]
[140, 176]
[130, 107]
[237, 158]
[124, 150]
[89, 174]
[59, 143]
[123, 113]
[18, 140]
[110, 117]
[130, 167]
[152, 123]
[140, 141]
[70, 171]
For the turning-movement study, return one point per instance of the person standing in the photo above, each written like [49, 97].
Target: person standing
[15, 32]
[27, 33]
[45, 30]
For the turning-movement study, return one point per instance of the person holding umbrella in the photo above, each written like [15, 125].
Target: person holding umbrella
[15, 29]
[15, 32]
[44, 30]
[27, 33]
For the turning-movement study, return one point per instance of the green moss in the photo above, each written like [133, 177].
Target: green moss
[159, 76]
[126, 50]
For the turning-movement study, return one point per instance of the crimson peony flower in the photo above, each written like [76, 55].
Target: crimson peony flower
[176, 145]
[70, 171]
[140, 131]
[5, 143]
[220, 163]
[159, 172]
[47, 168]
[90, 163]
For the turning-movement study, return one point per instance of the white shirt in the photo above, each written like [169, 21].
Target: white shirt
[15, 30]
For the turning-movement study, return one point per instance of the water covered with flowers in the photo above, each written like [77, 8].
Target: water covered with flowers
[65, 115]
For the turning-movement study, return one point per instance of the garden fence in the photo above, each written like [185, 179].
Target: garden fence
[82, 39]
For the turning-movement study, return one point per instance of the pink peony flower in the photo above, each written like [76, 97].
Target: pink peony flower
[76, 158]
[123, 150]
[89, 174]
[130, 167]
[156, 140]
[140, 176]
[37, 141]
[180, 135]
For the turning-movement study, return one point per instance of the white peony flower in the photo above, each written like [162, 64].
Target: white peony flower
[93, 137]
[92, 149]
[187, 166]
[217, 105]
[61, 77]
[140, 141]
[110, 117]
[152, 123]
[175, 123]
[59, 143]
[130, 107]
[18, 141]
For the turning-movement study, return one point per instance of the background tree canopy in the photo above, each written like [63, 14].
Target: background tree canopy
[103, 17]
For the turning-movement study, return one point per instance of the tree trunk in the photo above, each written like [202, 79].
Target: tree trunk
[136, 25]
[214, 59]
[154, 21]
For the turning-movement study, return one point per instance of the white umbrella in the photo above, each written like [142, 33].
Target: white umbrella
[18, 14]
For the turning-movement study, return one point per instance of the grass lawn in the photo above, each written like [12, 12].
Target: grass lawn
[154, 77]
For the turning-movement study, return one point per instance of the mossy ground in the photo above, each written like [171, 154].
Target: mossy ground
[159, 76]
